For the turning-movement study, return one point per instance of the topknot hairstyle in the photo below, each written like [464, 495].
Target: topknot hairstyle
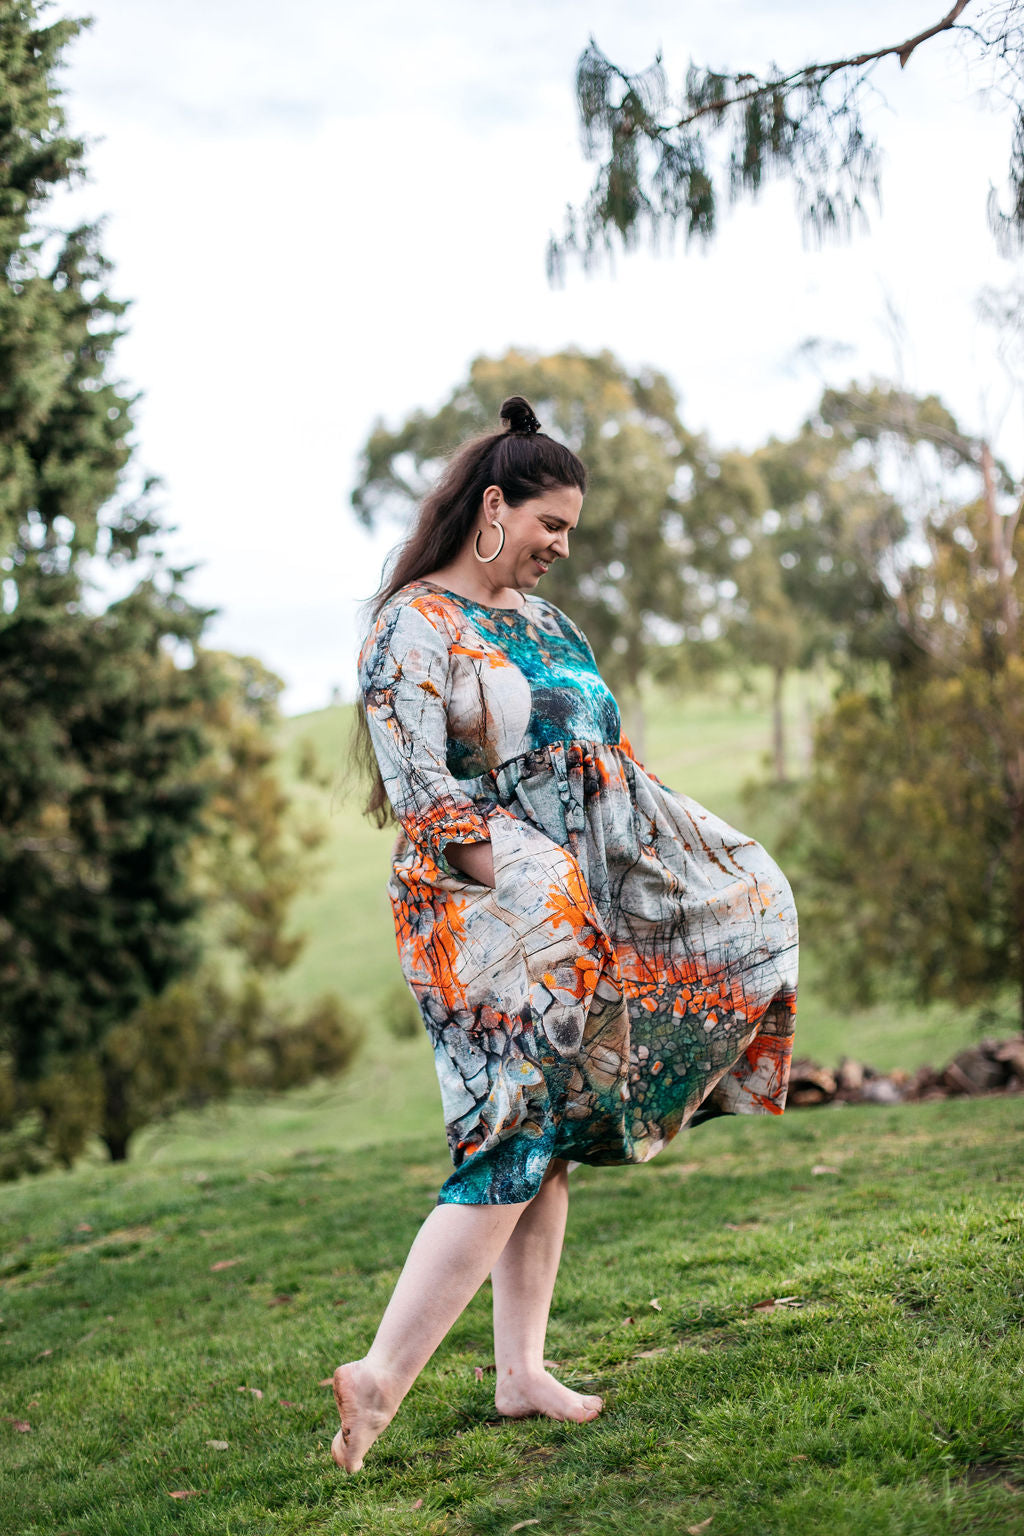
[522, 461]
[518, 415]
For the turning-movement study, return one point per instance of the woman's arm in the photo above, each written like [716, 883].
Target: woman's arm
[404, 678]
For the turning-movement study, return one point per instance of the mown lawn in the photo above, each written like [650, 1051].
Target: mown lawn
[166, 1327]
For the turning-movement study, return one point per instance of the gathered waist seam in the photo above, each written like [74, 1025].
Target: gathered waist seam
[557, 747]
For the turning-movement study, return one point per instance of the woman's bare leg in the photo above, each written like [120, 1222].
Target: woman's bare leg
[523, 1280]
[452, 1254]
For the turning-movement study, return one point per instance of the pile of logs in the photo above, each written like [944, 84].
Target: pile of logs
[994, 1066]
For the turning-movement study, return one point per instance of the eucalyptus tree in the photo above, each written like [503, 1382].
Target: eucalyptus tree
[912, 822]
[660, 168]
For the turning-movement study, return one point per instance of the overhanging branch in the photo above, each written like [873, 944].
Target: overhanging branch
[817, 74]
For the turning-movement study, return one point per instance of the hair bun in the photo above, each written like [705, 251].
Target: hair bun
[518, 416]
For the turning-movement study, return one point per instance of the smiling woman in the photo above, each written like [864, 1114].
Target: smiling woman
[598, 962]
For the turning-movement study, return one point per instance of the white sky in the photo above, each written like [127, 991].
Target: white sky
[323, 212]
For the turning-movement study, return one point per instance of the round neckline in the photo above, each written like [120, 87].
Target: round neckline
[488, 607]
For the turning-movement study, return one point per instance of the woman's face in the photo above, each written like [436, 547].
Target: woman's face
[536, 533]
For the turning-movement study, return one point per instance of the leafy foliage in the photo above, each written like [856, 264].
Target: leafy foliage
[201, 1041]
[658, 171]
[912, 823]
[97, 788]
[141, 823]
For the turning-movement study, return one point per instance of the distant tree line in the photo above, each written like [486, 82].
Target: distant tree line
[148, 854]
[881, 542]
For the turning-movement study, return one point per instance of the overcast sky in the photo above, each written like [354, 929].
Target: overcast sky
[322, 212]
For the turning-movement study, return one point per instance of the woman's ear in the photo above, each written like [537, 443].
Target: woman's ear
[493, 501]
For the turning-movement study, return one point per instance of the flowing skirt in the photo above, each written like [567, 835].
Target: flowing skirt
[635, 960]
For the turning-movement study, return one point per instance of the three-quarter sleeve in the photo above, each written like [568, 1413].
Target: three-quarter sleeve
[404, 674]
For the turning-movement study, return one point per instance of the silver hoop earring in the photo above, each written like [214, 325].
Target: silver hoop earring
[486, 559]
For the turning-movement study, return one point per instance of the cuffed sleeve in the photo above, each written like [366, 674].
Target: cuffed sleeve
[404, 674]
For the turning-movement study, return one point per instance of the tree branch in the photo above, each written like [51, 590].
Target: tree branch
[818, 73]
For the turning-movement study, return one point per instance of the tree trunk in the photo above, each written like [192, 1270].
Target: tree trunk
[117, 1145]
[778, 726]
[112, 1131]
[1001, 531]
[1016, 862]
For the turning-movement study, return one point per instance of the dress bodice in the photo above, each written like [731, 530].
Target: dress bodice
[518, 679]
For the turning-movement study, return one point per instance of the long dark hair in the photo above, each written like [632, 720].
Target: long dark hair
[523, 462]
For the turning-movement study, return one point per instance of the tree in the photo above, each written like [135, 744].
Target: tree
[225, 1027]
[117, 732]
[632, 583]
[656, 173]
[98, 802]
[911, 826]
[808, 573]
[220, 1025]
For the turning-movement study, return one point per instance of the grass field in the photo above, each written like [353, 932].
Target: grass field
[166, 1330]
[165, 1325]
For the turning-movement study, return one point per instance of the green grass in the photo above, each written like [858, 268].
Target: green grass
[885, 1398]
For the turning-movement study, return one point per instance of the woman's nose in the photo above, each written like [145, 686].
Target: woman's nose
[561, 544]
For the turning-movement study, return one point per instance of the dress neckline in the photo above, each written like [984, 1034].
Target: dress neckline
[488, 607]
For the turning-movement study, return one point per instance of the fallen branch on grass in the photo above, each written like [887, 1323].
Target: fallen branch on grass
[993, 1066]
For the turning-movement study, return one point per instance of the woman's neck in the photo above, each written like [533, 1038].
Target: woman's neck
[478, 585]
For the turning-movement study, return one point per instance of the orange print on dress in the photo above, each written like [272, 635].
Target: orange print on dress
[430, 952]
[776, 1049]
[645, 972]
[448, 938]
[569, 900]
[439, 614]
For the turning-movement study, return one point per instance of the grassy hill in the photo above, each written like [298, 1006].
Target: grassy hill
[808, 1325]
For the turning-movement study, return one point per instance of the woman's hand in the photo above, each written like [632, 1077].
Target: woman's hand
[475, 860]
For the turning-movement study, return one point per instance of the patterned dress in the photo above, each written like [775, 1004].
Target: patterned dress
[636, 958]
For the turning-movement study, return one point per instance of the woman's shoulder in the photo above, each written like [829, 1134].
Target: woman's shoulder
[417, 607]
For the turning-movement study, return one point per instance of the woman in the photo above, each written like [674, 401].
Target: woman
[598, 961]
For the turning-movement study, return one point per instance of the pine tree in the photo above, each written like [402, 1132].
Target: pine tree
[97, 796]
[136, 791]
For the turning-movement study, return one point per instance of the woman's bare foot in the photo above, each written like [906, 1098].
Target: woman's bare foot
[365, 1410]
[522, 1397]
